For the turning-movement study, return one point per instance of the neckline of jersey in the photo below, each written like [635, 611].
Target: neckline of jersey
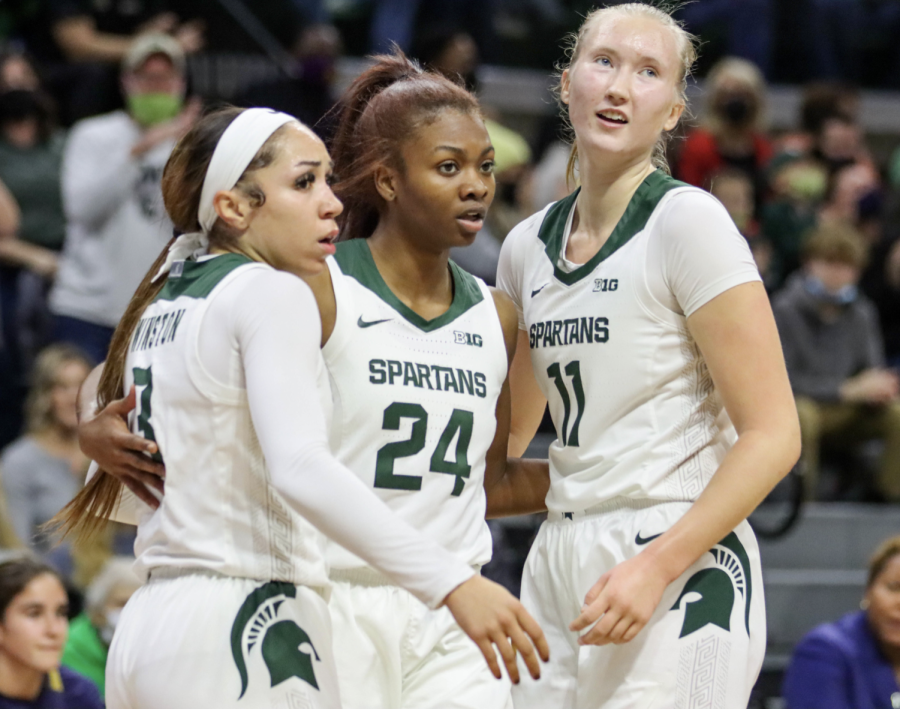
[355, 260]
[198, 278]
[558, 219]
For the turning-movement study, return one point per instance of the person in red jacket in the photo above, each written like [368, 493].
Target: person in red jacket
[732, 133]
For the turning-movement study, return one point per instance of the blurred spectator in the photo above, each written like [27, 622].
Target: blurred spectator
[747, 24]
[111, 193]
[30, 161]
[310, 93]
[33, 630]
[80, 43]
[798, 186]
[854, 662]
[855, 197]
[42, 470]
[734, 190]
[91, 632]
[733, 129]
[835, 357]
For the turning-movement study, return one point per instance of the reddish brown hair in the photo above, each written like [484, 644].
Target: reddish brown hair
[383, 108]
[182, 184]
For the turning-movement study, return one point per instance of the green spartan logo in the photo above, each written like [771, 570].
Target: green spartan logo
[716, 587]
[257, 623]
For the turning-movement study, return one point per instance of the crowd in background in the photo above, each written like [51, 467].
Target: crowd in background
[93, 97]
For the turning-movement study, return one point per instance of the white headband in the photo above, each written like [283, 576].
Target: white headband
[238, 145]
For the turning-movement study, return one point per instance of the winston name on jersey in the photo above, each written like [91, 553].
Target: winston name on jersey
[220, 511]
[415, 400]
[632, 401]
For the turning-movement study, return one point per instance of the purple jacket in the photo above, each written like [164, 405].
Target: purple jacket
[839, 666]
[78, 693]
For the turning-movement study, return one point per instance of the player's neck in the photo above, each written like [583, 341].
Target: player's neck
[605, 194]
[418, 277]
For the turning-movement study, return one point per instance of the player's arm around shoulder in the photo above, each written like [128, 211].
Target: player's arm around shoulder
[512, 485]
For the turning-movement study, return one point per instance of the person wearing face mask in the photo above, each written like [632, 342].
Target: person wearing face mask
[835, 356]
[732, 133]
[116, 224]
[854, 662]
[91, 633]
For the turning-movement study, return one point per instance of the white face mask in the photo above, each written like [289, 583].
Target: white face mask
[109, 628]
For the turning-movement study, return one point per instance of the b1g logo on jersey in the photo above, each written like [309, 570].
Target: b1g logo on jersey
[604, 285]
[467, 338]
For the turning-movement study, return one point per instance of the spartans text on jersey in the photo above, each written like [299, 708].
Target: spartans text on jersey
[571, 331]
[156, 330]
[462, 381]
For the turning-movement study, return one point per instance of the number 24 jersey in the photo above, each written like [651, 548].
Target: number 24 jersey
[634, 407]
[415, 401]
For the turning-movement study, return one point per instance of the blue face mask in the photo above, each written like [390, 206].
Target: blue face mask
[817, 290]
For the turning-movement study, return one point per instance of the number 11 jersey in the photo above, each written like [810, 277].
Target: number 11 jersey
[415, 401]
[634, 407]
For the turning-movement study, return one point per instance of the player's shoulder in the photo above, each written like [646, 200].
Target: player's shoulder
[529, 229]
[687, 201]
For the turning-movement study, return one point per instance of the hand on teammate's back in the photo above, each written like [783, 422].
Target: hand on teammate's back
[622, 602]
[491, 615]
[107, 440]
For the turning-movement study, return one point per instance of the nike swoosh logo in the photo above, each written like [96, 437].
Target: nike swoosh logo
[640, 541]
[363, 323]
[535, 292]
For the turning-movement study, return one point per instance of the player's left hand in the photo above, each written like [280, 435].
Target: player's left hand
[621, 602]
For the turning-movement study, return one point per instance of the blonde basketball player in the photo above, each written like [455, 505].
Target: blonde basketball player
[234, 613]
[644, 325]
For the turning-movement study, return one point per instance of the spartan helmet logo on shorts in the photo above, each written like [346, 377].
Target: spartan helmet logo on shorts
[286, 648]
[716, 586]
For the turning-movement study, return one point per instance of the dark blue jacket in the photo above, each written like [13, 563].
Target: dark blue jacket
[78, 692]
[839, 666]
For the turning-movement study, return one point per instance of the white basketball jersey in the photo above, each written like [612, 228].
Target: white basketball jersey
[634, 407]
[220, 511]
[415, 401]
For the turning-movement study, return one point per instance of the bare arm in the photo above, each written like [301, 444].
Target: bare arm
[105, 438]
[737, 336]
[80, 41]
[513, 485]
[530, 401]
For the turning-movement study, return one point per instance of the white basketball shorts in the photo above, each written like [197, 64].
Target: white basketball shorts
[703, 647]
[195, 640]
[393, 652]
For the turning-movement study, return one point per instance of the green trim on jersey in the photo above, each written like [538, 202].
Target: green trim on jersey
[635, 218]
[355, 259]
[198, 278]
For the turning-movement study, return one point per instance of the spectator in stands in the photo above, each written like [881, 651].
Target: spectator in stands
[111, 193]
[854, 662]
[33, 629]
[30, 162]
[42, 470]
[855, 197]
[835, 358]
[733, 129]
[91, 632]
[734, 189]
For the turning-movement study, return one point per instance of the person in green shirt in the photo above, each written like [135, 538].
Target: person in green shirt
[91, 633]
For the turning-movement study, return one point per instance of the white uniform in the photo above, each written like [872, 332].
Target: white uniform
[235, 612]
[414, 415]
[641, 431]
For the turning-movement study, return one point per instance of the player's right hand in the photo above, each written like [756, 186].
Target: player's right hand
[107, 440]
[491, 615]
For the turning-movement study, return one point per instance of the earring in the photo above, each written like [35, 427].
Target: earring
[864, 604]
